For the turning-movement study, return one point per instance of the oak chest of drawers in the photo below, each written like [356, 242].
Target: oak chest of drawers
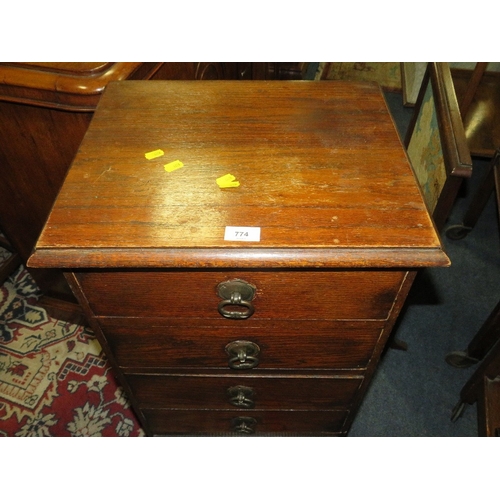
[260, 306]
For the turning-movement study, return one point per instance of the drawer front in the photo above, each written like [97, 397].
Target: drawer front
[301, 295]
[243, 392]
[138, 344]
[248, 422]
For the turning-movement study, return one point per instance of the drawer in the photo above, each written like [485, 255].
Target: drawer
[279, 294]
[192, 422]
[245, 391]
[138, 343]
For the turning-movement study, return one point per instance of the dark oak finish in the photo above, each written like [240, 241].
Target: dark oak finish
[199, 422]
[327, 295]
[45, 110]
[298, 152]
[343, 230]
[265, 392]
[283, 344]
[489, 408]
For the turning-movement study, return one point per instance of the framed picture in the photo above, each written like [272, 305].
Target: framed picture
[386, 74]
[436, 143]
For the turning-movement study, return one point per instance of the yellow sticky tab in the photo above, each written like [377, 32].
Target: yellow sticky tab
[227, 181]
[154, 154]
[173, 165]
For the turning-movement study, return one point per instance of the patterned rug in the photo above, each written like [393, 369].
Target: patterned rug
[54, 377]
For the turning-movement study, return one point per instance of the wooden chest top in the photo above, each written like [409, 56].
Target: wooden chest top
[320, 166]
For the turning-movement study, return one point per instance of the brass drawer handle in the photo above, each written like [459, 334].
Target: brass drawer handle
[241, 396]
[243, 354]
[236, 293]
[243, 425]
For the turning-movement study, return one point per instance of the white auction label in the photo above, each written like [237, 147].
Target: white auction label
[236, 233]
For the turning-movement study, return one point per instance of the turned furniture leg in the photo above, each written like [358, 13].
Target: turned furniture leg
[477, 386]
[479, 346]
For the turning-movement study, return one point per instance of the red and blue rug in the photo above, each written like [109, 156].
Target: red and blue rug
[54, 377]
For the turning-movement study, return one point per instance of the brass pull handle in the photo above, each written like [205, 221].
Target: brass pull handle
[243, 425]
[236, 293]
[243, 354]
[235, 300]
[241, 396]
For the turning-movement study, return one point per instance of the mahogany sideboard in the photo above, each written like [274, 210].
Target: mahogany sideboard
[45, 109]
[245, 278]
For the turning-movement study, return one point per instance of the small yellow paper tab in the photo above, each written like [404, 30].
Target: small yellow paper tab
[173, 165]
[227, 181]
[154, 154]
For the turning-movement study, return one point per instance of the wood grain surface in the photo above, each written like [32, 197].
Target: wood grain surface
[272, 392]
[279, 294]
[320, 165]
[290, 345]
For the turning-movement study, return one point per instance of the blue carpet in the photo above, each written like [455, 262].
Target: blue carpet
[414, 391]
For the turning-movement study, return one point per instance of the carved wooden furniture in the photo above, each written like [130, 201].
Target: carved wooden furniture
[436, 142]
[45, 109]
[261, 307]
